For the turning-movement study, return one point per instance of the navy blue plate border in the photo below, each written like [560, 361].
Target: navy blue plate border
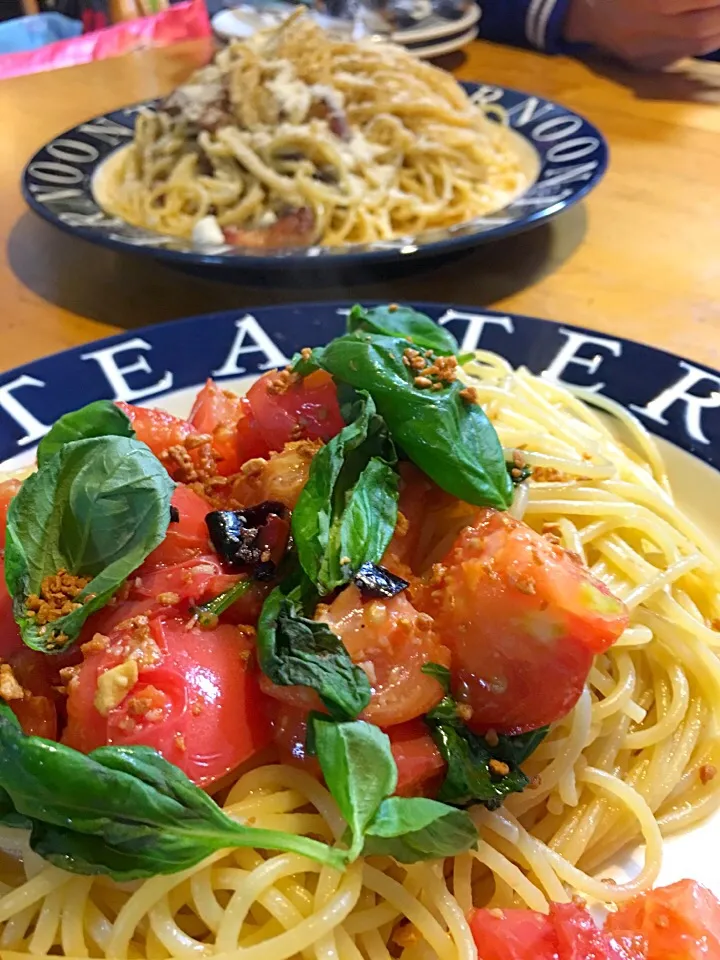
[56, 184]
[674, 398]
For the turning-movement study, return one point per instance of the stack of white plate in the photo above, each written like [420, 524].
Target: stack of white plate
[431, 33]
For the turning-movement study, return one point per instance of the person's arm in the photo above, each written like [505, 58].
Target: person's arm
[525, 23]
[649, 34]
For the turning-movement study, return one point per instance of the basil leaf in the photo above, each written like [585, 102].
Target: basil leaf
[517, 748]
[412, 829]
[476, 771]
[396, 321]
[359, 771]
[207, 613]
[439, 673]
[347, 511]
[295, 650]
[450, 439]
[96, 509]
[122, 811]
[99, 419]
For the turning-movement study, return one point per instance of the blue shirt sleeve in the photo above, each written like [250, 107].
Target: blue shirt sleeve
[525, 23]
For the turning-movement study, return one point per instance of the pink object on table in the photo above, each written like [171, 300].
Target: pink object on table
[185, 21]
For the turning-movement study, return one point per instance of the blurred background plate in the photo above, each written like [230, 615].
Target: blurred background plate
[563, 155]
[419, 22]
[442, 47]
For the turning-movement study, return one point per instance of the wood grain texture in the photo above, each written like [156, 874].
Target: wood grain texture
[640, 257]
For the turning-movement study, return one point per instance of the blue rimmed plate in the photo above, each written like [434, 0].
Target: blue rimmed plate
[677, 400]
[164, 365]
[564, 155]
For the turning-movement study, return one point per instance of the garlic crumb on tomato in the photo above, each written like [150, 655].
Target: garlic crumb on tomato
[114, 685]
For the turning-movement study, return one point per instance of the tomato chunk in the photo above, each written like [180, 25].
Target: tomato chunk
[681, 920]
[157, 428]
[523, 619]
[568, 933]
[186, 537]
[303, 409]
[579, 938]
[217, 413]
[281, 476]
[420, 765]
[391, 641]
[191, 694]
[513, 935]
[8, 489]
[248, 438]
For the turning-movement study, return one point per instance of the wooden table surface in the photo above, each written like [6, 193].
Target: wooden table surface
[640, 257]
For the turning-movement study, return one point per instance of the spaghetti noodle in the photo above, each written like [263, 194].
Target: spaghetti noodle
[293, 137]
[634, 761]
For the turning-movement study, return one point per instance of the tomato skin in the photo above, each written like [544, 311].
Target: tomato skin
[679, 921]
[309, 407]
[157, 428]
[249, 441]
[579, 938]
[8, 489]
[37, 716]
[567, 933]
[420, 765]
[290, 736]
[204, 713]
[217, 412]
[391, 641]
[516, 935]
[282, 476]
[186, 538]
[523, 620]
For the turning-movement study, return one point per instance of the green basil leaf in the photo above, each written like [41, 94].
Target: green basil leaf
[359, 771]
[347, 511]
[99, 419]
[96, 508]
[295, 650]
[122, 811]
[469, 779]
[439, 673]
[307, 364]
[412, 829]
[450, 439]
[396, 321]
[470, 776]
[207, 613]
[517, 748]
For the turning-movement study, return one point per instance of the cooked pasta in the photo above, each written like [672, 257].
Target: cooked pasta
[292, 138]
[633, 762]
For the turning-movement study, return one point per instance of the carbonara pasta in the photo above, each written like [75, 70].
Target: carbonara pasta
[292, 138]
[635, 760]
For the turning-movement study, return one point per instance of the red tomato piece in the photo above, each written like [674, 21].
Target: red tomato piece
[290, 737]
[307, 409]
[157, 428]
[10, 638]
[217, 412]
[37, 716]
[523, 619]
[568, 933]
[8, 489]
[194, 698]
[420, 765]
[579, 938]
[513, 935]
[248, 438]
[679, 921]
[187, 537]
[391, 641]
